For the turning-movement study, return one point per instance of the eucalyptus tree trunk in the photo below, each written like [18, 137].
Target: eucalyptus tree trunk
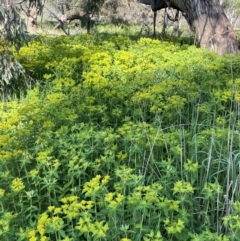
[31, 19]
[208, 22]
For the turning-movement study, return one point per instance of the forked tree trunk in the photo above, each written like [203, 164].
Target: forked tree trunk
[207, 20]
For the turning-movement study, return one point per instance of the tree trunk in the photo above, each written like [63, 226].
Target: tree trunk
[207, 20]
[31, 19]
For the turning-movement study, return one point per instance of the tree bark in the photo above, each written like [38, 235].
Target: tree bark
[31, 19]
[67, 18]
[208, 22]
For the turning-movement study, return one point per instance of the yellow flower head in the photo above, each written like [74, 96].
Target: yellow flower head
[182, 187]
[92, 187]
[105, 179]
[2, 191]
[44, 238]
[17, 185]
[50, 208]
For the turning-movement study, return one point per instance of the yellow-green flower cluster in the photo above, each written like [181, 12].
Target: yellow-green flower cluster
[71, 207]
[211, 189]
[33, 173]
[4, 226]
[153, 236]
[5, 220]
[236, 206]
[95, 80]
[49, 224]
[146, 196]
[2, 191]
[174, 226]
[32, 235]
[44, 156]
[122, 156]
[86, 226]
[126, 176]
[190, 166]
[125, 60]
[5, 140]
[114, 200]
[92, 187]
[232, 221]
[17, 185]
[182, 187]
[224, 95]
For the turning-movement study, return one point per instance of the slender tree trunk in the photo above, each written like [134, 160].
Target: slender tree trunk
[154, 23]
[207, 20]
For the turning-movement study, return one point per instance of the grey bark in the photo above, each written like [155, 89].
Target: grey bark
[31, 19]
[67, 18]
[208, 22]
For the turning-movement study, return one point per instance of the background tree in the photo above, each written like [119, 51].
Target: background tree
[91, 7]
[83, 10]
[207, 20]
[232, 10]
[12, 34]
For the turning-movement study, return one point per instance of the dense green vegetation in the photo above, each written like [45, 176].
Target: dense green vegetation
[121, 139]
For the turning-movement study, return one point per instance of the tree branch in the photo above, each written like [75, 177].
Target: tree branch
[60, 24]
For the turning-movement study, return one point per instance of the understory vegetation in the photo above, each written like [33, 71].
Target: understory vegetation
[121, 139]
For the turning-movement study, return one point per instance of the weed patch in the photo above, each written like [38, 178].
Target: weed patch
[124, 140]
